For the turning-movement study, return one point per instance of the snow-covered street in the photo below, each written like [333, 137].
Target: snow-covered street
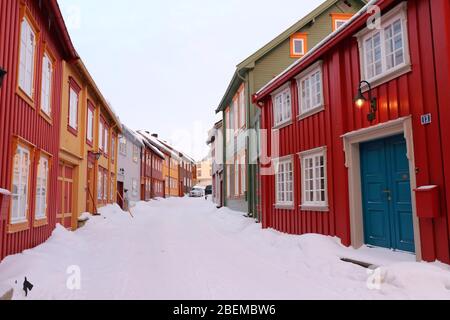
[187, 249]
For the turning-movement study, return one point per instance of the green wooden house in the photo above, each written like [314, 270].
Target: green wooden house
[241, 118]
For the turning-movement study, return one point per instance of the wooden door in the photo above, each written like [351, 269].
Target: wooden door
[65, 195]
[90, 188]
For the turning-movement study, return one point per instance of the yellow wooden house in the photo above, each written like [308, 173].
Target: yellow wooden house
[87, 170]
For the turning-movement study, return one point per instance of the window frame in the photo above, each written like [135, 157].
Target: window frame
[280, 93]
[41, 220]
[398, 12]
[339, 17]
[307, 74]
[283, 204]
[299, 36]
[314, 205]
[25, 14]
[90, 108]
[47, 115]
[73, 86]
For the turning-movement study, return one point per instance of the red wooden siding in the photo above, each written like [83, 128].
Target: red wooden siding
[421, 91]
[18, 118]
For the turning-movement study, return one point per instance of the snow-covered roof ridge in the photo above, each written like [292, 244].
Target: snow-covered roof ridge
[320, 44]
[131, 134]
[149, 141]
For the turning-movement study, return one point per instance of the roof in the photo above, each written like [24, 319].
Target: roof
[63, 32]
[249, 62]
[132, 136]
[326, 44]
[150, 143]
[85, 72]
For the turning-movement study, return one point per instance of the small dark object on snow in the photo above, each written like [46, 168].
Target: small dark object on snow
[358, 263]
[27, 286]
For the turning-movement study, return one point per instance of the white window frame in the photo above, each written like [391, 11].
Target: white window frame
[336, 21]
[21, 214]
[304, 108]
[242, 109]
[296, 53]
[90, 125]
[42, 183]
[135, 153]
[314, 203]
[100, 135]
[47, 84]
[282, 162]
[73, 108]
[282, 106]
[27, 67]
[399, 12]
[123, 146]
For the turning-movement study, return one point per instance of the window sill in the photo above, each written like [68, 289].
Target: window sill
[284, 206]
[72, 130]
[391, 75]
[18, 227]
[24, 96]
[311, 113]
[90, 143]
[282, 125]
[46, 117]
[314, 208]
[40, 222]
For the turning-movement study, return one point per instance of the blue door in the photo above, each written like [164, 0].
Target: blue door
[386, 194]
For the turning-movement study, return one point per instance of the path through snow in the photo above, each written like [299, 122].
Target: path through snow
[187, 249]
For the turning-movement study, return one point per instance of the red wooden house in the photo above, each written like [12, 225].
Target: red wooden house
[370, 165]
[152, 180]
[33, 43]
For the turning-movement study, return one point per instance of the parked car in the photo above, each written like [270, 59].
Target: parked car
[197, 192]
[208, 190]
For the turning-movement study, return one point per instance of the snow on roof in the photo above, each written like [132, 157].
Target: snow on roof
[320, 44]
[153, 143]
[131, 134]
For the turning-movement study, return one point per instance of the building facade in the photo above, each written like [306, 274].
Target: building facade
[33, 44]
[204, 172]
[374, 172]
[241, 118]
[129, 164]
[216, 153]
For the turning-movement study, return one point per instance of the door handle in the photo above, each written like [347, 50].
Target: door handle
[387, 191]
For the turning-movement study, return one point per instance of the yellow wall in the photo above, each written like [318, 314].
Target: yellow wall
[74, 149]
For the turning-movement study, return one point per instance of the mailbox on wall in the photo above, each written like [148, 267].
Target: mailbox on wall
[428, 202]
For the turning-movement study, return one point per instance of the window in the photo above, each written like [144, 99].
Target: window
[242, 104]
[298, 45]
[20, 186]
[105, 185]
[42, 188]
[27, 57]
[243, 175]
[90, 124]
[385, 51]
[123, 145]
[284, 183]
[339, 19]
[100, 135]
[100, 184]
[310, 91]
[112, 187]
[113, 148]
[46, 84]
[134, 187]
[314, 179]
[282, 107]
[73, 109]
[135, 153]
[228, 124]
[106, 139]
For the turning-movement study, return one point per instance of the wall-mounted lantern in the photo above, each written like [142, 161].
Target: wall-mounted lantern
[2, 75]
[96, 155]
[360, 100]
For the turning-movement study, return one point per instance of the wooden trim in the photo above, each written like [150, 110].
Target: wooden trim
[339, 17]
[73, 85]
[48, 51]
[298, 36]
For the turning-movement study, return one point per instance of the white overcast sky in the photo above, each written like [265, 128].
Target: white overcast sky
[165, 65]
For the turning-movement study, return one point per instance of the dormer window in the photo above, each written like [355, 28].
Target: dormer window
[339, 19]
[299, 45]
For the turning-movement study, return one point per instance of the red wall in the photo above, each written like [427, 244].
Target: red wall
[424, 90]
[18, 118]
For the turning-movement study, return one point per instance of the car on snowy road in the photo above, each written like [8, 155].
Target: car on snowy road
[197, 192]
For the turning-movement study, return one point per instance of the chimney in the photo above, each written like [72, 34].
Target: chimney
[155, 135]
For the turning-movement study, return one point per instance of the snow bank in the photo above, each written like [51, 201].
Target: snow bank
[184, 248]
